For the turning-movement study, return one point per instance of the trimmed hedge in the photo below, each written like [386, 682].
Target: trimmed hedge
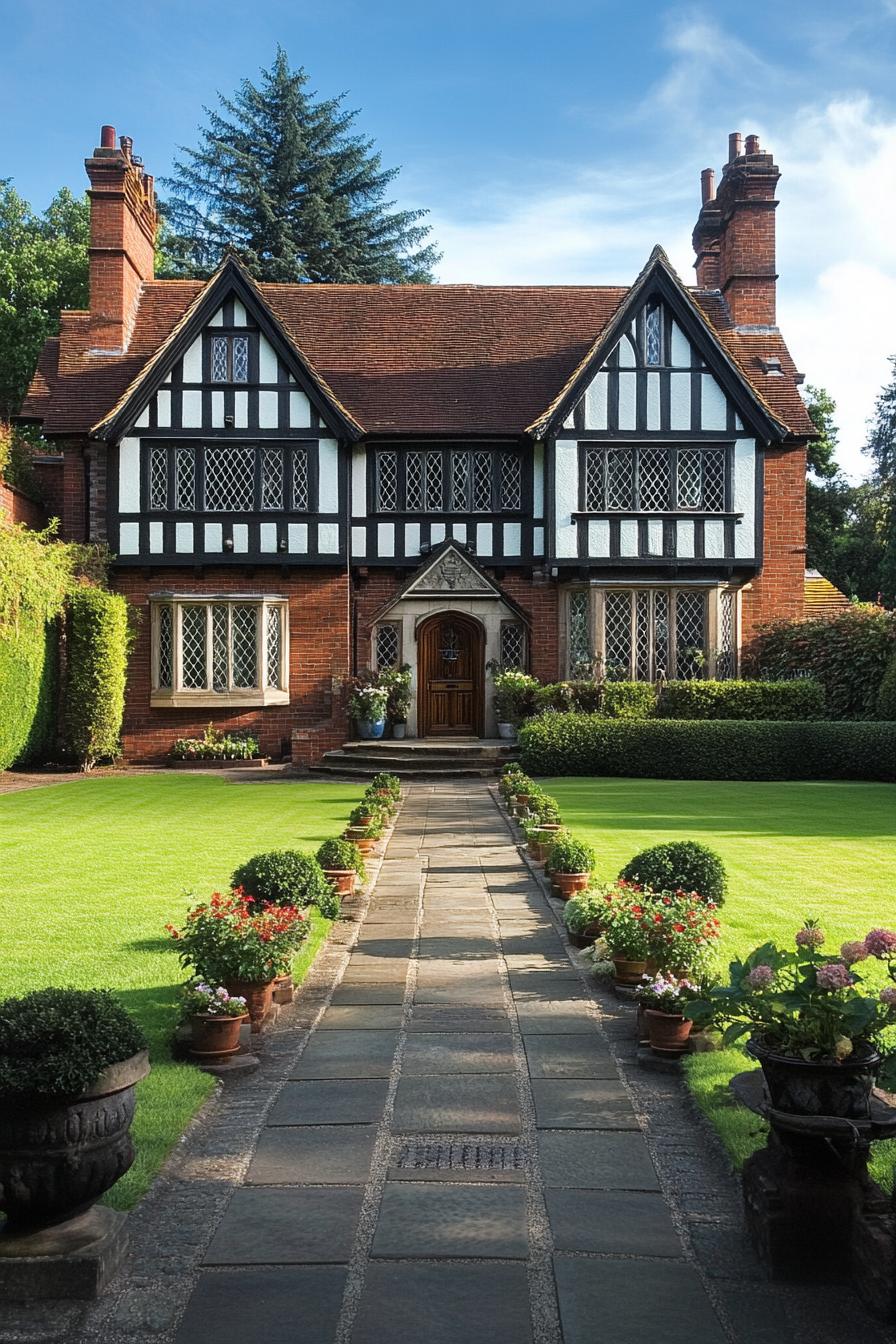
[886, 696]
[611, 699]
[586, 744]
[848, 653]
[788, 700]
[98, 643]
[29, 666]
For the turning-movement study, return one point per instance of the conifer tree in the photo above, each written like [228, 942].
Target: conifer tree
[282, 178]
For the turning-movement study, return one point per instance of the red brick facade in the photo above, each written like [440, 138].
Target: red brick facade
[776, 593]
[19, 509]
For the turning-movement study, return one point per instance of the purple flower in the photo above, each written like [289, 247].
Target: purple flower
[833, 975]
[852, 952]
[880, 943]
[760, 977]
[888, 996]
[222, 994]
[809, 936]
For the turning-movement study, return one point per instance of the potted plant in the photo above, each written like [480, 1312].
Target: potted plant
[342, 865]
[626, 933]
[215, 1018]
[230, 941]
[69, 1063]
[365, 837]
[366, 814]
[385, 785]
[683, 932]
[817, 1032]
[583, 916]
[514, 698]
[284, 877]
[572, 864]
[368, 709]
[662, 1002]
[397, 685]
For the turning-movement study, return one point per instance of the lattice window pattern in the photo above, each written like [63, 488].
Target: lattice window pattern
[434, 482]
[513, 645]
[193, 625]
[415, 482]
[511, 482]
[594, 478]
[653, 335]
[714, 480]
[725, 655]
[482, 482]
[158, 478]
[660, 633]
[272, 478]
[618, 635]
[185, 479]
[690, 478]
[654, 478]
[579, 634]
[643, 642]
[690, 634]
[387, 482]
[229, 479]
[219, 648]
[460, 482]
[274, 646]
[165, 649]
[387, 647]
[220, 359]
[240, 359]
[620, 492]
[244, 645]
[301, 492]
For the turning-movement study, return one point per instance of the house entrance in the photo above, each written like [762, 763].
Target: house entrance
[451, 676]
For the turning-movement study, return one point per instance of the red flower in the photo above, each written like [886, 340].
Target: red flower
[679, 928]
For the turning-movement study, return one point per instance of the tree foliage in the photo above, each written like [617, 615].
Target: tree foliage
[43, 269]
[282, 178]
[881, 448]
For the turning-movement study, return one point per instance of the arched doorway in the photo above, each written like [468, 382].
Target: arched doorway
[450, 676]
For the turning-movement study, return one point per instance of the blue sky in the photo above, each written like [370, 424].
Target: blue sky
[551, 142]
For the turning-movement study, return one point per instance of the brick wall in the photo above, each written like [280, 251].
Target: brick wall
[318, 662]
[50, 473]
[18, 508]
[777, 591]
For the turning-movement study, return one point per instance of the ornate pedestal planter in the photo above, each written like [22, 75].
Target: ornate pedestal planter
[805, 1087]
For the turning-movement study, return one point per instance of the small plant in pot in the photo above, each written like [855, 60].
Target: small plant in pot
[215, 1017]
[819, 1034]
[377, 802]
[285, 877]
[662, 1002]
[365, 837]
[69, 1063]
[514, 699]
[626, 932]
[583, 915]
[572, 864]
[397, 685]
[684, 932]
[368, 709]
[342, 865]
[367, 813]
[386, 785]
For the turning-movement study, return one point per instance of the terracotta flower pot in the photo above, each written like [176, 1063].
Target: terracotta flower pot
[215, 1037]
[641, 1026]
[521, 799]
[284, 990]
[258, 996]
[628, 972]
[342, 880]
[569, 883]
[366, 844]
[668, 1032]
[538, 851]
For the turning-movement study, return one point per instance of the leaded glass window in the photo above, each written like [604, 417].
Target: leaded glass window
[434, 483]
[388, 646]
[158, 478]
[725, 653]
[272, 478]
[482, 482]
[460, 482]
[594, 478]
[620, 489]
[229, 479]
[220, 359]
[415, 483]
[240, 359]
[580, 653]
[511, 483]
[219, 647]
[193, 627]
[165, 641]
[654, 479]
[429, 480]
[513, 645]
[274, 624]
[629, 480]
[653, 334]
[301, 492]
[690, 634]
[701, 479]
[185, 479]
[618, 636]
[387, 482]
[636, 628]
[229, 359]
[244, 645]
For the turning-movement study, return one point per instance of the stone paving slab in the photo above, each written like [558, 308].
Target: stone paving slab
[444, 1304]
[271, 1226]
[348, 1054]
[582, 1103]
[434, 1220]
[612, 1222]
[488, 995]
[367, 993]
[458, 1104]
[442, 1052]
[429, 1017]
[349, 1101]
[306, 1154]
[242, 1305]
[568, 1056]
[596, 1160]
[361, 1017]
[633, 1300]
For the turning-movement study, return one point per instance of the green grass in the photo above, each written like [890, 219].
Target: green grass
[93, 871]
[791, 850]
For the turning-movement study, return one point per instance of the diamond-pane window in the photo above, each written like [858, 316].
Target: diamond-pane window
[158, 478]
[244, 645]
[415, 483]
[460, 482]
[725, 655]
[387, 645]
[240, 359]
[714, 480]
[229, 479]
[193, 626]
[482, 482]
[660, 632]
[274, 618]
[185, 479]
[301, 495]
[620, 479]
[654, 478]
[513, 645]
[165, 649]
[579, 639]
[690, 478]
[653, 335]
[642, 637]
[434, 482]
[618, 635]
[272, 478]
[594, 478]
[220, 359]
[387, 482]
[219, 647]
[511, 483]
[690, 634]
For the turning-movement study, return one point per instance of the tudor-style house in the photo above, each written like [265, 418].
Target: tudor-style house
[302, 481]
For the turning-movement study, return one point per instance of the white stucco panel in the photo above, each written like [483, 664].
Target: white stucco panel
[129, 476]
[745, 498]
[566, 496]
[328, 478]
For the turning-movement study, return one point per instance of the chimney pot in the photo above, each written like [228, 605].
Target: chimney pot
[708, 185]
[752, 146]
[735, 146]
[107, 137]
[127, 145]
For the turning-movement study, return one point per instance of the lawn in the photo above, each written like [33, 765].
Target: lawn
[96, 867]
[791, 850]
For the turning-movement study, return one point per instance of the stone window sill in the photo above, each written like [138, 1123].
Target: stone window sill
[216, 699]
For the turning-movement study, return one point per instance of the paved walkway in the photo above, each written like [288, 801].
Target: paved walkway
[454, 1157]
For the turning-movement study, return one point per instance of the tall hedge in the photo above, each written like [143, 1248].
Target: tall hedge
[797, 699]
[98, 642]
[586, 744]
[848, 654]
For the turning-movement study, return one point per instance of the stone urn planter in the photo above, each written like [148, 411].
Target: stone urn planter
[812, 1087]
[628, 972]
[342, 880]
[668, 1033]
[569, 883]
[57, 1158]
[259, 998]
[215, 1036]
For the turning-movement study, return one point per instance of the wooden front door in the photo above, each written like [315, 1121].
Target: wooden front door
[450, 679]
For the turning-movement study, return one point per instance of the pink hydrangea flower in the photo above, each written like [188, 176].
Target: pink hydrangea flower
[760, 977]
[854, 951]
[888, 996]
[880, 943]
[833, 975]
[809, 937]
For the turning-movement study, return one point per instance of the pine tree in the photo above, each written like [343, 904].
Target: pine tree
[881, 448]
[282, 178]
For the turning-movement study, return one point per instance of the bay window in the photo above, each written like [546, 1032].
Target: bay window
[643, 633]
[223, 650]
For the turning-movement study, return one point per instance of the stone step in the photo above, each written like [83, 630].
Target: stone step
[354, 770]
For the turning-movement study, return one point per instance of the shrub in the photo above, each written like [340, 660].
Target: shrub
[585, 744]
[387, 783]
[98, 642]
[215, 746]
[788, 700]
[571, 856]
[886, 696]
[514, 696]
[54, 1043]
[628, 700]
[230, 938]
[397, 685]
[284, 876]
[342, 855]
[848, 653]
[680, 865]
[561, 696]
[586, 907]
[613, 699]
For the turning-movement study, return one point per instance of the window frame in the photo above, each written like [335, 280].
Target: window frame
[375, 659]
[179, 696]
[172, 450]
[591, 504]
[230, 337]
[447, 455]
[510, 623]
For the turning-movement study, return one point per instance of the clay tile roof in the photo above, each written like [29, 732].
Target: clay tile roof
[820, 597]
[461, 359]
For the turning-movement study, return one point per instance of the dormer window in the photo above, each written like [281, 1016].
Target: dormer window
[230, 359]
[653, 334]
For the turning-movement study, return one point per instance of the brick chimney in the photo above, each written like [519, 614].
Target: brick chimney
[122, 240]
[734, 238]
